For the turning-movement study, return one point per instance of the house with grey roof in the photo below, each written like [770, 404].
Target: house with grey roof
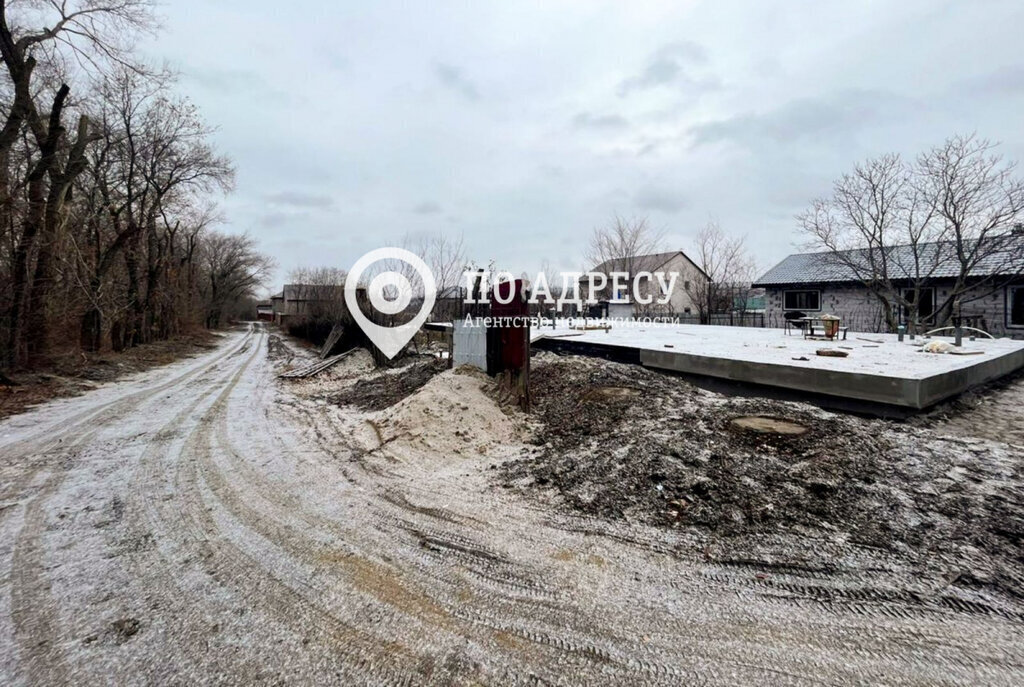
[672, 264]
[838, 284]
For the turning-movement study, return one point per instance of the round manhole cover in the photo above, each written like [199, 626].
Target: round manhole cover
[768, 425]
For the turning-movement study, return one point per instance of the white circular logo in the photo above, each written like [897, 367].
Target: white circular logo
[390, 293]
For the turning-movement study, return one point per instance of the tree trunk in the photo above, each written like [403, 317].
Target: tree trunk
[91, 332]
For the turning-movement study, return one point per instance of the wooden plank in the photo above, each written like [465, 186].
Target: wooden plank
[314, 368]
[332, 340]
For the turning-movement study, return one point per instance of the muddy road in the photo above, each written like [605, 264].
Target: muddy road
[205, 523]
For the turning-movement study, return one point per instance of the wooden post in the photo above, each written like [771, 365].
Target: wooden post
[524, 374]
[451, 346]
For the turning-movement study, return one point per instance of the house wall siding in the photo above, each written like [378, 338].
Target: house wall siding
[862, 312]
[681, 300]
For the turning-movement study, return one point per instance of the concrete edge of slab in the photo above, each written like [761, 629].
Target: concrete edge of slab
[861, 386]
[939, 387]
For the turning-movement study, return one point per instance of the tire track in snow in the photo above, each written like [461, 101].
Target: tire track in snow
[34, 611]
[52, 438]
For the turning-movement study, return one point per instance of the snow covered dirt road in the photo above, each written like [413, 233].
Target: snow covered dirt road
[205, 523]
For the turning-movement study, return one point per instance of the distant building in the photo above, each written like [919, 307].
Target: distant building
[449, 304]
[308, 300]
[675, 263]
[819, 283]
[265, 311]
[277, 306]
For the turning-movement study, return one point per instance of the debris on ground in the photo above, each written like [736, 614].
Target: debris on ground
[390, 386]
[991, 411]
[332, 340]
[277, 349]
[773, 484]
[767, 425]
[937, 347]
[124, 629]
[315, 367]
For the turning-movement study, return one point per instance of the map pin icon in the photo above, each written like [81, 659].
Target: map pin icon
[390, 340]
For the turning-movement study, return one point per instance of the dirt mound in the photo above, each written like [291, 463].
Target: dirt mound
[669, 454]
[389, 386]
[452, 414]
[619, 439]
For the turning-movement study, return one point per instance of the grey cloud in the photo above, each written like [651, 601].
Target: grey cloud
[453, 78]
[428, 207]
[672, 65]
[585, 120]
[835, 116]
[298, 199]
[493, 121]
[660, 199]
[274, 220]
[333, 58]
[1005, 80]
[237, 82]
[225, 80]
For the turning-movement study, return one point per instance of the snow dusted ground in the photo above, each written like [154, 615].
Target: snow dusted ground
[878, 354]
[209, 523]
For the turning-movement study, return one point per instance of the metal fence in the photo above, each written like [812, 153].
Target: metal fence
[750, 319]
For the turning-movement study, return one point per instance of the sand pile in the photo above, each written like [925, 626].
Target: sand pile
[452, 415]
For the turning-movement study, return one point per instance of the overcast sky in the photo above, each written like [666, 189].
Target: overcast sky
[524, 125]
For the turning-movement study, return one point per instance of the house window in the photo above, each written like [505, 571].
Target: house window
[1015, 306]
[801, 300]
[925, 309]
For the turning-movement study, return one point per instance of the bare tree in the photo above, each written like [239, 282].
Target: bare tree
[894, 227]
[87, 34]
[978, 198]
[621, 247]
[445, 256]
[232, 270]
[622, 241]
[104, 226]
[729, 268]
[872, 211]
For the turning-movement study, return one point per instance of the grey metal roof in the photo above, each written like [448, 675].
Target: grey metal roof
[935, 260]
